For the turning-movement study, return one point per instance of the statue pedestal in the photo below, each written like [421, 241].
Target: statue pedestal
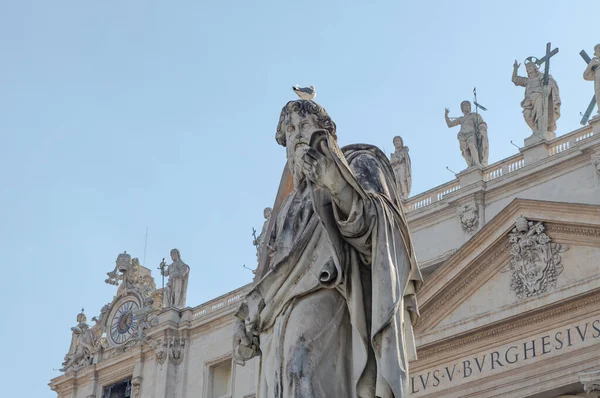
[595, 123]
[535, 151]
[470, 176]
[539, 137]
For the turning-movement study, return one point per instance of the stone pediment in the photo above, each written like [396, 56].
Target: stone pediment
[475, 287]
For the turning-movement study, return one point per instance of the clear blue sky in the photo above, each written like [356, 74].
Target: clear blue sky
[117, 115]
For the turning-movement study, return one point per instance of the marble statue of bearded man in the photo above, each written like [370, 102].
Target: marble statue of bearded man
[332, 314]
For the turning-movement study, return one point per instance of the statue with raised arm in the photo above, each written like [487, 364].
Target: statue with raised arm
[331, 315]
[533, 103]
[178, 273]
[400, 160]
[472, 136]
[592, 73]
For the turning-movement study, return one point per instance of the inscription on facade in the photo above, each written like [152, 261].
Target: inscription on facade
[506, 357]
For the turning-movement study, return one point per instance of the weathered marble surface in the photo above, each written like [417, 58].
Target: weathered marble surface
[400, 160]
[473, 137]
[333, 314]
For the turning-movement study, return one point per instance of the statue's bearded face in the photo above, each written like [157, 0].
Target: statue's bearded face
[465, 107]
[298, 131]
[531, 69]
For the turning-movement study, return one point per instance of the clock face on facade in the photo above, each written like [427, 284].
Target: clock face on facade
[123, 324]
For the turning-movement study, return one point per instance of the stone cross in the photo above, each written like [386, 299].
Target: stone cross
[546, 59]
[590, 108]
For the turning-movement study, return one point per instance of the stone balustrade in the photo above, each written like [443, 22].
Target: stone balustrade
[499, 169]
[220, 303]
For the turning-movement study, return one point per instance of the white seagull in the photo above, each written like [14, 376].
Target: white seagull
[305, 93]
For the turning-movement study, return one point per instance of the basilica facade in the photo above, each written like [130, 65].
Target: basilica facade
[509, 307]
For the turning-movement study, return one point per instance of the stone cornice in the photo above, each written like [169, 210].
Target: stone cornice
[498, 333]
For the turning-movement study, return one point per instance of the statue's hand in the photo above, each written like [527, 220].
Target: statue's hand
[323, 172]
[447, 111]
[244, 347]
[516, 65]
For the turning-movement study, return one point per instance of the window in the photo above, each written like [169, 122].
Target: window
[219, 382]
[121, 389]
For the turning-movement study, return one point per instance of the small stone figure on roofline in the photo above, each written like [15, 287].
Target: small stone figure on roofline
[258, 242]
[400, 160]
[178, 273]
[473, 137]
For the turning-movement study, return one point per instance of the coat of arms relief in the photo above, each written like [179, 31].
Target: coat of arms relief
[536, 261]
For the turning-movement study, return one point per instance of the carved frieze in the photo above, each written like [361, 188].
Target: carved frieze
[469, 217]
[536, 262]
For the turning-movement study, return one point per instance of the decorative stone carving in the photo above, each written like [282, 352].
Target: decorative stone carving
[536, 261]
[592, 73]
[473, 136]
[178, 273]
[259, 241]
[160, 347]
[136, 386]
[533, 104]
[81, 351]
[469, 217]
[327, 234]
[146, 316]
[590, 381]
[132, 276]
[177, 344]
[400, 160]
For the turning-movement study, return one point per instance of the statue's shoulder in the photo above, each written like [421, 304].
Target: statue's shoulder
[367, 154]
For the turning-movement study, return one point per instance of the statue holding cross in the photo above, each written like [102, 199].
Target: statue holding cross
[541, 105]
[592, 73]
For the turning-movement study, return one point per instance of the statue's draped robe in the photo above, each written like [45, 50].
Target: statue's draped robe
[594, 75]
[336, 307]
[178, 273]
[473, 130]
[402, 169]
[533, 102]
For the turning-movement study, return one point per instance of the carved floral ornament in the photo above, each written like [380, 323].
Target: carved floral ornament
[536, 262]
[171, 348]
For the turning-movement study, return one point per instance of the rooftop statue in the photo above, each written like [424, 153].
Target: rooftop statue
[400, 160]
[473, 137]
[541, 105]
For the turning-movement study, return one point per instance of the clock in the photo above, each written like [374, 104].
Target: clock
[123, 324]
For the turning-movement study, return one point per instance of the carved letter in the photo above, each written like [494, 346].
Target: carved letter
[426, 380]
[467, 365]
[596, 328]
[450, 376]
[544, 344]
[480, 367]
[559, 340]
[582, 335]
[516, 355]
[436, 381]
[495, 360]
[532, 349]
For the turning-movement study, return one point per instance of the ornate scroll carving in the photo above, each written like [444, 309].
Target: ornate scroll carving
[536, 262]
